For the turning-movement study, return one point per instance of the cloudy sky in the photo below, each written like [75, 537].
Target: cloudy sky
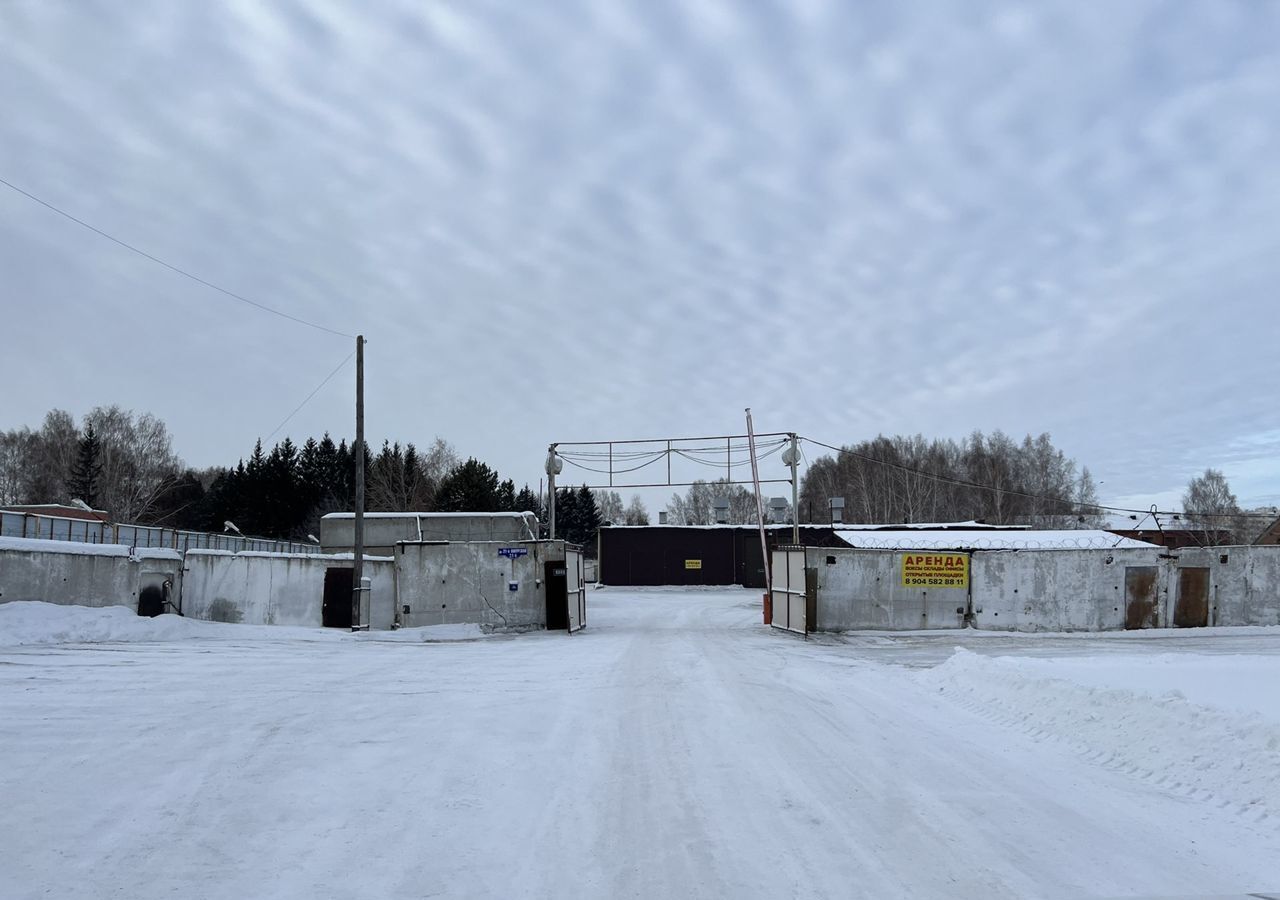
[569, 221]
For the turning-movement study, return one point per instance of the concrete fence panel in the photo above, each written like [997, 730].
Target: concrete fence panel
[79, 574]
[872, 590]
[275, 588]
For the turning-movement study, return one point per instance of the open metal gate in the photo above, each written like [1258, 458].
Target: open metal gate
[575, 589]
[790, 596]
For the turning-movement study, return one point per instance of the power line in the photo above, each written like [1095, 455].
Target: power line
[171, 267]
[309, 396]
[960, 482]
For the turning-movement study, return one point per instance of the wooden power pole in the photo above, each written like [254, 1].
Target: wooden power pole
[357, 566]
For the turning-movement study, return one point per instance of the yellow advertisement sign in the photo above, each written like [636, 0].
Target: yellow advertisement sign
[693, 564]
[940, 570]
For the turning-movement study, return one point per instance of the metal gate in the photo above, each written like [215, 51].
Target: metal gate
[1141, 597]
[790, 598]
[1192, 609]
[575, 589]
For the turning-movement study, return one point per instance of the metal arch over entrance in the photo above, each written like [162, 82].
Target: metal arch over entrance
[613, 462]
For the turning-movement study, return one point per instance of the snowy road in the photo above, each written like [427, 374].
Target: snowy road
[675, 749]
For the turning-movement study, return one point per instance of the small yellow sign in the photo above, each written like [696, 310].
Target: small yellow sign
[941, 570]
[693, 564]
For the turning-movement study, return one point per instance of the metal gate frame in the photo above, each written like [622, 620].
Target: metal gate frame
[790, 598]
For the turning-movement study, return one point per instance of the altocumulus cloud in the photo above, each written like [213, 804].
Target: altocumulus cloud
[580, 220]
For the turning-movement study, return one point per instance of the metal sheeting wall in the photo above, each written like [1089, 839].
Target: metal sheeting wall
[658, 554]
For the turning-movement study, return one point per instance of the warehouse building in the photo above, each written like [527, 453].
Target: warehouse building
[632, 555]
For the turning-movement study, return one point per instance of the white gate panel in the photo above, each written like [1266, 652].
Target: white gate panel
[790, 606]
[575, 590]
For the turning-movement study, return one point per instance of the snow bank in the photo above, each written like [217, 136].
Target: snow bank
[1201, 751]
[37, 622]
[1237, 683]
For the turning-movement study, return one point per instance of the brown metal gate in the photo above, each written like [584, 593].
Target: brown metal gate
[1192, 606]
[1140, 594]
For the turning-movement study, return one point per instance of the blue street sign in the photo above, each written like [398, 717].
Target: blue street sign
[513, 552]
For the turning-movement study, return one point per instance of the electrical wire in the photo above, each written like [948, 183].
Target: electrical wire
[309, 396]
[183, 272]
[578, 465]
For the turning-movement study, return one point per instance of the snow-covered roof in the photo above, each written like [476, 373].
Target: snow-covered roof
[431, 515]
[908, 539]
[264, 554]
[971, 525]
[76, 548]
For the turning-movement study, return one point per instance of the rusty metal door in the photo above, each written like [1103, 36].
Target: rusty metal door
[1192, 609]
[1140, 596]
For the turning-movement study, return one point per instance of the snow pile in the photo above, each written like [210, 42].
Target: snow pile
[1207, 753]
[37, 622]
[1235, 682]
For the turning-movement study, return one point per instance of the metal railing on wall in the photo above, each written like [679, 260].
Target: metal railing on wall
[57, 528]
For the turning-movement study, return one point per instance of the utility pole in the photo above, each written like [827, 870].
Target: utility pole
[357, 566]
[755, 477]
[553, 467]
[795, 491]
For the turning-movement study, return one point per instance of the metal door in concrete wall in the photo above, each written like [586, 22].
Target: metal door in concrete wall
[1191, 609]
[557, 585]
[335, 609]
[152, 594]
[789, 590]
[1140, 595]
[575, 590]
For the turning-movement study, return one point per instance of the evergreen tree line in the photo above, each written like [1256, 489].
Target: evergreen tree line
[124, 463]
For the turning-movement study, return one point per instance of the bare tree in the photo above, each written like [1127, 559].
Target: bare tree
[1088, 513]
[15, 455]
[636, 514]
[609, 503]
[138, 462]
[51, 454]
[1210, 505]
[891, 480]
[697, 506]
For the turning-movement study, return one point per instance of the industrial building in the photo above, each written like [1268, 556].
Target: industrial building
[694, 554]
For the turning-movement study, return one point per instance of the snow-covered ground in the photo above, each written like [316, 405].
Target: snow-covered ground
[676, 748]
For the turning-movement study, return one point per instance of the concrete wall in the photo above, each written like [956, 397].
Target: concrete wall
[382, 531]
[275, 588]
[1057, 590]
[76, 574]
[1042, 590]
[1244, 583]
[452, 583]
[863, 590]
